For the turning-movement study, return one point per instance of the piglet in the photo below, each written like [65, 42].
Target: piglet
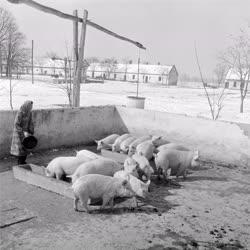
[172, 146]
[87, 154]
[61, 166]
[102, 166]
[140, 188]
[106, 142]
[134, 144]
[146, 149]
[124, 147]
[175, 162]
[95, 186]
[118, 141]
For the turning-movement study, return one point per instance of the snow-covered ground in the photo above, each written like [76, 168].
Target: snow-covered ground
[179, 100]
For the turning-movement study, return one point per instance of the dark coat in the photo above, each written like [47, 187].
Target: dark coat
[23, 123]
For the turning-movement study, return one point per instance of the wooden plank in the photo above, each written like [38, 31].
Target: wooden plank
[114, 155]
[77, 76]
[55, 12]
[42, 181]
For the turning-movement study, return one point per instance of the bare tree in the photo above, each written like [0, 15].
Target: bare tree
[220, 72]
[237, 58]
[93, 62]
[215, 99]
[110, 65]
[126, 61]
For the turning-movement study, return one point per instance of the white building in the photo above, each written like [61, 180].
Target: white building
[232, 79]
[164, 74]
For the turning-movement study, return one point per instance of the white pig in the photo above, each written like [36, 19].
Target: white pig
[106, 142]
[124, 147]
[175, 162]
[172, 146]
[61, 166]
[140, 188]
[146, 149]
[118, 141]
[134, 144]
[87, 154]
[158, 141]
[102, 166]
[144, 165]
[95, 186]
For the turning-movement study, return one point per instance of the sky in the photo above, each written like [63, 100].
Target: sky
[167, 28]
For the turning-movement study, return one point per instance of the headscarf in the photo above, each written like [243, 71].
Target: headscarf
[26, 107]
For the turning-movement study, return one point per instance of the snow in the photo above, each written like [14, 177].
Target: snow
[172, 99]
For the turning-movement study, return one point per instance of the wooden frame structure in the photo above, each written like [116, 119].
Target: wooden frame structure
[78, 57]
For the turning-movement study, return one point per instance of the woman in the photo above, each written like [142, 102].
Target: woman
[23, 126]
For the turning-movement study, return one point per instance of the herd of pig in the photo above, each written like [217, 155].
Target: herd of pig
[94, 176]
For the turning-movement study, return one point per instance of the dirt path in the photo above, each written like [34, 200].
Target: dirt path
[209, 211]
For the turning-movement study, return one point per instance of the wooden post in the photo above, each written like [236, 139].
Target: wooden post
[32, 61]
[77, 77]
[75, 53]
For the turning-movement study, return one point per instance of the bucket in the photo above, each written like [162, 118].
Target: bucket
[135, 102]
[29, 142]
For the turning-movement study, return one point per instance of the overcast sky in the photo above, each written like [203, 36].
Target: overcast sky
[167, 28]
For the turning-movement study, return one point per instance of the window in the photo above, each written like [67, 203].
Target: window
[133, 77]
[235, 84]
[114, 76]
[226, 85]
[159, 78]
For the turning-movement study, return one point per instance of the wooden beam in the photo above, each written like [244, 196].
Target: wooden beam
[77, 77]
[55, 12]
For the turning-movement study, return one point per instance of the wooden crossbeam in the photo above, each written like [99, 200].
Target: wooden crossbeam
[58, 13]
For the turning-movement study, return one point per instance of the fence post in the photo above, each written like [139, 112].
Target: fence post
[77, 76]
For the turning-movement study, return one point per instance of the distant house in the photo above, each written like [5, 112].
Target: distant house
[148, 73]
[232, 79]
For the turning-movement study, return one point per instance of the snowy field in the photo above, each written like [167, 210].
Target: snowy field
[178, 100]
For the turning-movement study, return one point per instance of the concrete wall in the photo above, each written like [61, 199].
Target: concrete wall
[219, 141]
[64, 127]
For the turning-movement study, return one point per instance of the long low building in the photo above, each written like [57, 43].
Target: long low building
[148, 73]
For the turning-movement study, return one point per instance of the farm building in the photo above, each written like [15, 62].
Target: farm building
[232, 79]
[148, 73]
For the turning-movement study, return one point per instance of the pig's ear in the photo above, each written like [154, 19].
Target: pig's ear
[124, 183]
[76, 152]
[47, 172]
[96, 142]
[155, 155]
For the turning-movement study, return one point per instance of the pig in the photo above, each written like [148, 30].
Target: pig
[95, 186]
[102, 166]
[132, 167]
[144, 165]
[159, 141]
[146, 149]
[118, 141]
[140, 188]
[172, 146]
[124, 147]
[87, 154]
[134, 144]
[61, 166]
[106, 142]
[175, 162]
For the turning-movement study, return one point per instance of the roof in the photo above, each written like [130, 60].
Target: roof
[233, 74]
[133, 68]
